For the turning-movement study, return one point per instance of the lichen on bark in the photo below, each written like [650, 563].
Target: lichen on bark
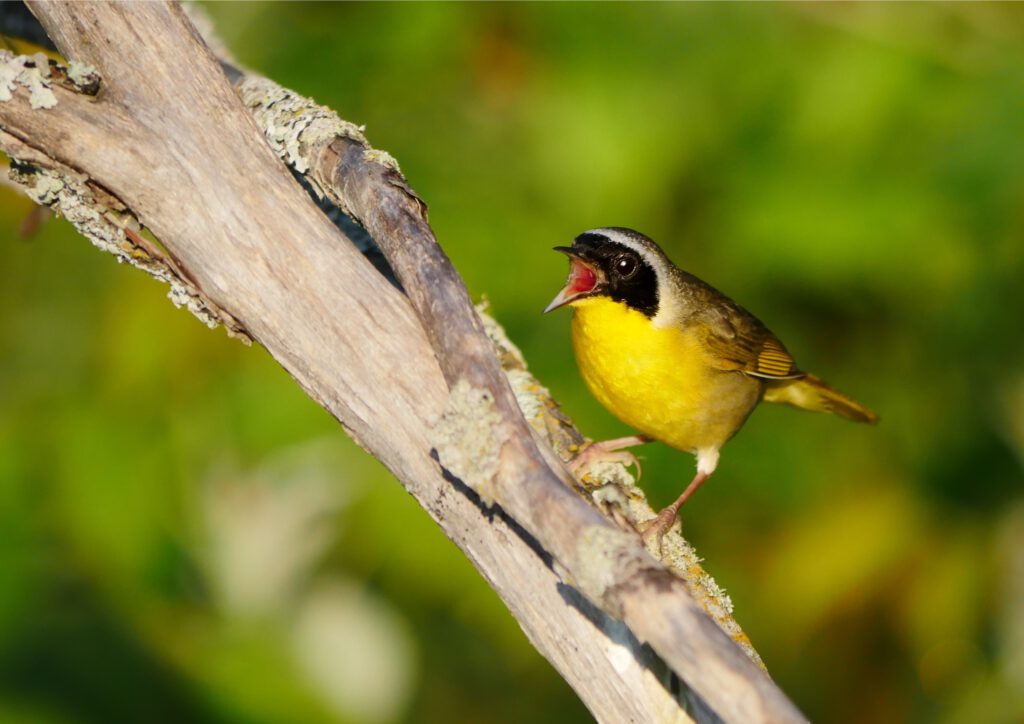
[115, 231]
[32, 72]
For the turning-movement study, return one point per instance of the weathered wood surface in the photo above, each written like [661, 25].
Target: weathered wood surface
[168, 142]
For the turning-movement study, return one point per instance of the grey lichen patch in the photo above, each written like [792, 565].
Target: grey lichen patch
[295, 126]
[117, 233]
[681, 557]
[469, 437]
[84, 78]
[375, 155]
[603, 473]
[677, 552]
[529, 395]
[604, 554]
[617, 491]
[81, 74]
[31, 72]
[71, 198]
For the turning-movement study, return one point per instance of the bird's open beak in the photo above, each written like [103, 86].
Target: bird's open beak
[583, 278]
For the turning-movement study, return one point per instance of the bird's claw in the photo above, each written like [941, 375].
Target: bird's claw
[601, 452]
[653, 531]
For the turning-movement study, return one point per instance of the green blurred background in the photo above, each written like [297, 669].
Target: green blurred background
[184, 536]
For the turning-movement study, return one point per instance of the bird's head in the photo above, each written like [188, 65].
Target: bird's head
[621, 264]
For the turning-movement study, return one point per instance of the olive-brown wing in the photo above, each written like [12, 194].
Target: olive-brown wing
[737, 340]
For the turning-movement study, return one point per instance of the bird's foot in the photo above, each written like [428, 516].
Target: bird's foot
[653, 531]
[608, 451]
[593, 455]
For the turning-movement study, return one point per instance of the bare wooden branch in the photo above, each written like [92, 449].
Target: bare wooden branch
[168, 138]
[344, 168]
[372, 190]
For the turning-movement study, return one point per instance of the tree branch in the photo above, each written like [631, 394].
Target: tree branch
[360, 180]
[167, 133]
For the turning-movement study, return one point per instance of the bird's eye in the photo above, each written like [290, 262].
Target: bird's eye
[626, 266]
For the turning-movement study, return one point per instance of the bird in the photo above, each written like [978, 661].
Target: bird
[674, 358]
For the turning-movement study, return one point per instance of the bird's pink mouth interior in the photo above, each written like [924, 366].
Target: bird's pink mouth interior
[582, 278]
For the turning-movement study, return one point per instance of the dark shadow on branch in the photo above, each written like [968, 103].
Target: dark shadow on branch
[613, 629]
[617, 632]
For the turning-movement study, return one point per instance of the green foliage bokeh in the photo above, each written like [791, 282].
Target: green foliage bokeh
[854, 174]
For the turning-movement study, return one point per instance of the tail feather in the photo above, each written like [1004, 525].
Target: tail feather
[810, 393]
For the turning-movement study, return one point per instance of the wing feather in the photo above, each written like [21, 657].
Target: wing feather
[737, 340]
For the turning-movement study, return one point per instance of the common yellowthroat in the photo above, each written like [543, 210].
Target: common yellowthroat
[673, 357]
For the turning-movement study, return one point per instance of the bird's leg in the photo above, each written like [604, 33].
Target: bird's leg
[656, 528]
[608, 451]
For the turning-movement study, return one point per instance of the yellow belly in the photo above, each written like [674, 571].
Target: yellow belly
[658, 380]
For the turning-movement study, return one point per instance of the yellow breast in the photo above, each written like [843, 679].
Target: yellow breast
[658, 380]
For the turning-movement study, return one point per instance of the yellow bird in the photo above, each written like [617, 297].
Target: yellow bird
[673, 357]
